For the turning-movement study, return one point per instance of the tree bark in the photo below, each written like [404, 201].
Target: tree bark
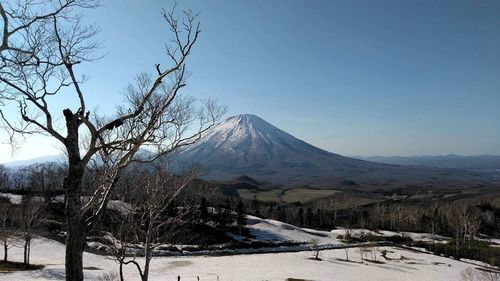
[147, 255]
[28, 253]
[75, 228]
[25, 258]
[121, 270]
[5, 251]
[72, 184]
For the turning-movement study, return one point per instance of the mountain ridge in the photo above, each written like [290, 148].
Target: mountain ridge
[248, 145]
[453, 161]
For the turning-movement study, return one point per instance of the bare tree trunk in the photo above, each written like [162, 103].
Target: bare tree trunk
[75, 240]
[5, 250]
[121, 270]
[28, 253]
[75, 233]
[75, 228]
[72, 184]
[25, 258]
[147, 255]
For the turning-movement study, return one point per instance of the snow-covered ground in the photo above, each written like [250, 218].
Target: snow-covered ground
[272, 230]
[401, 265]
[398, 264]
[416, 236]
[13, 198]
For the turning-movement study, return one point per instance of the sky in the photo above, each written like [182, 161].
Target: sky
[352, 77]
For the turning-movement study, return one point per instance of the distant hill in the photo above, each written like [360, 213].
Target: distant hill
[480, 162]
[38, 160]
[248, 145]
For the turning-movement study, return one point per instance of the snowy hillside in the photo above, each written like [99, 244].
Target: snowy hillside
[272, 230]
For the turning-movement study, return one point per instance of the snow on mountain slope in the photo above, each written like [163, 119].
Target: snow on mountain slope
[248, 145]
[246, 139]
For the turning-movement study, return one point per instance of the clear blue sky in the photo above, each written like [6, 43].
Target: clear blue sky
[353, 77]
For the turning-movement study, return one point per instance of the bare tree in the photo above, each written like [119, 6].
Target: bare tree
[43, 44]
[397, 215]
[316, 248]
[465, 221]
[380, 211]
[29, 220]
[44, 178]
[124, 233]
[489, 275]
[412, 216]
[6, 228]
[149, 223]
[472, 222]
[433, 214]
[346, 250]
[4, 178]
[467, 274]
[470, 274]
[361, 252]
[375, 251]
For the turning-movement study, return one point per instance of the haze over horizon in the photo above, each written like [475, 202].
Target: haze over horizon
[259, 122]
[355, 78]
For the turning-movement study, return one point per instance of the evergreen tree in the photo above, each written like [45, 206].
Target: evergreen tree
[318, 219]
[202, 210]
[228, 204]
[270, 211]
[240, 217]
[226, 214]
[300, 217]
[309, 217]
[282, 213]
[256, 206]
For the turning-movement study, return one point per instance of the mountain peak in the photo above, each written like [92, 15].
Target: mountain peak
[248, 142]
[246, 116]
[246, 119]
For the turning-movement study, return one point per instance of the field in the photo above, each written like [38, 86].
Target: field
[336, 262]
[288, 196]
[397, 265]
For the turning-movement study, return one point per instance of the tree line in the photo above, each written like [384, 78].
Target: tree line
[150, 207]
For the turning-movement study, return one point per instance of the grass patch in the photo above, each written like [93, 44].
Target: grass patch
[10, 266]
[288, 196]
[396, 239]
[478, 250]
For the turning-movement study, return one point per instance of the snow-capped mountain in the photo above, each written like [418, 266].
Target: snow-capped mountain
[249, 140]
[248, 145]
